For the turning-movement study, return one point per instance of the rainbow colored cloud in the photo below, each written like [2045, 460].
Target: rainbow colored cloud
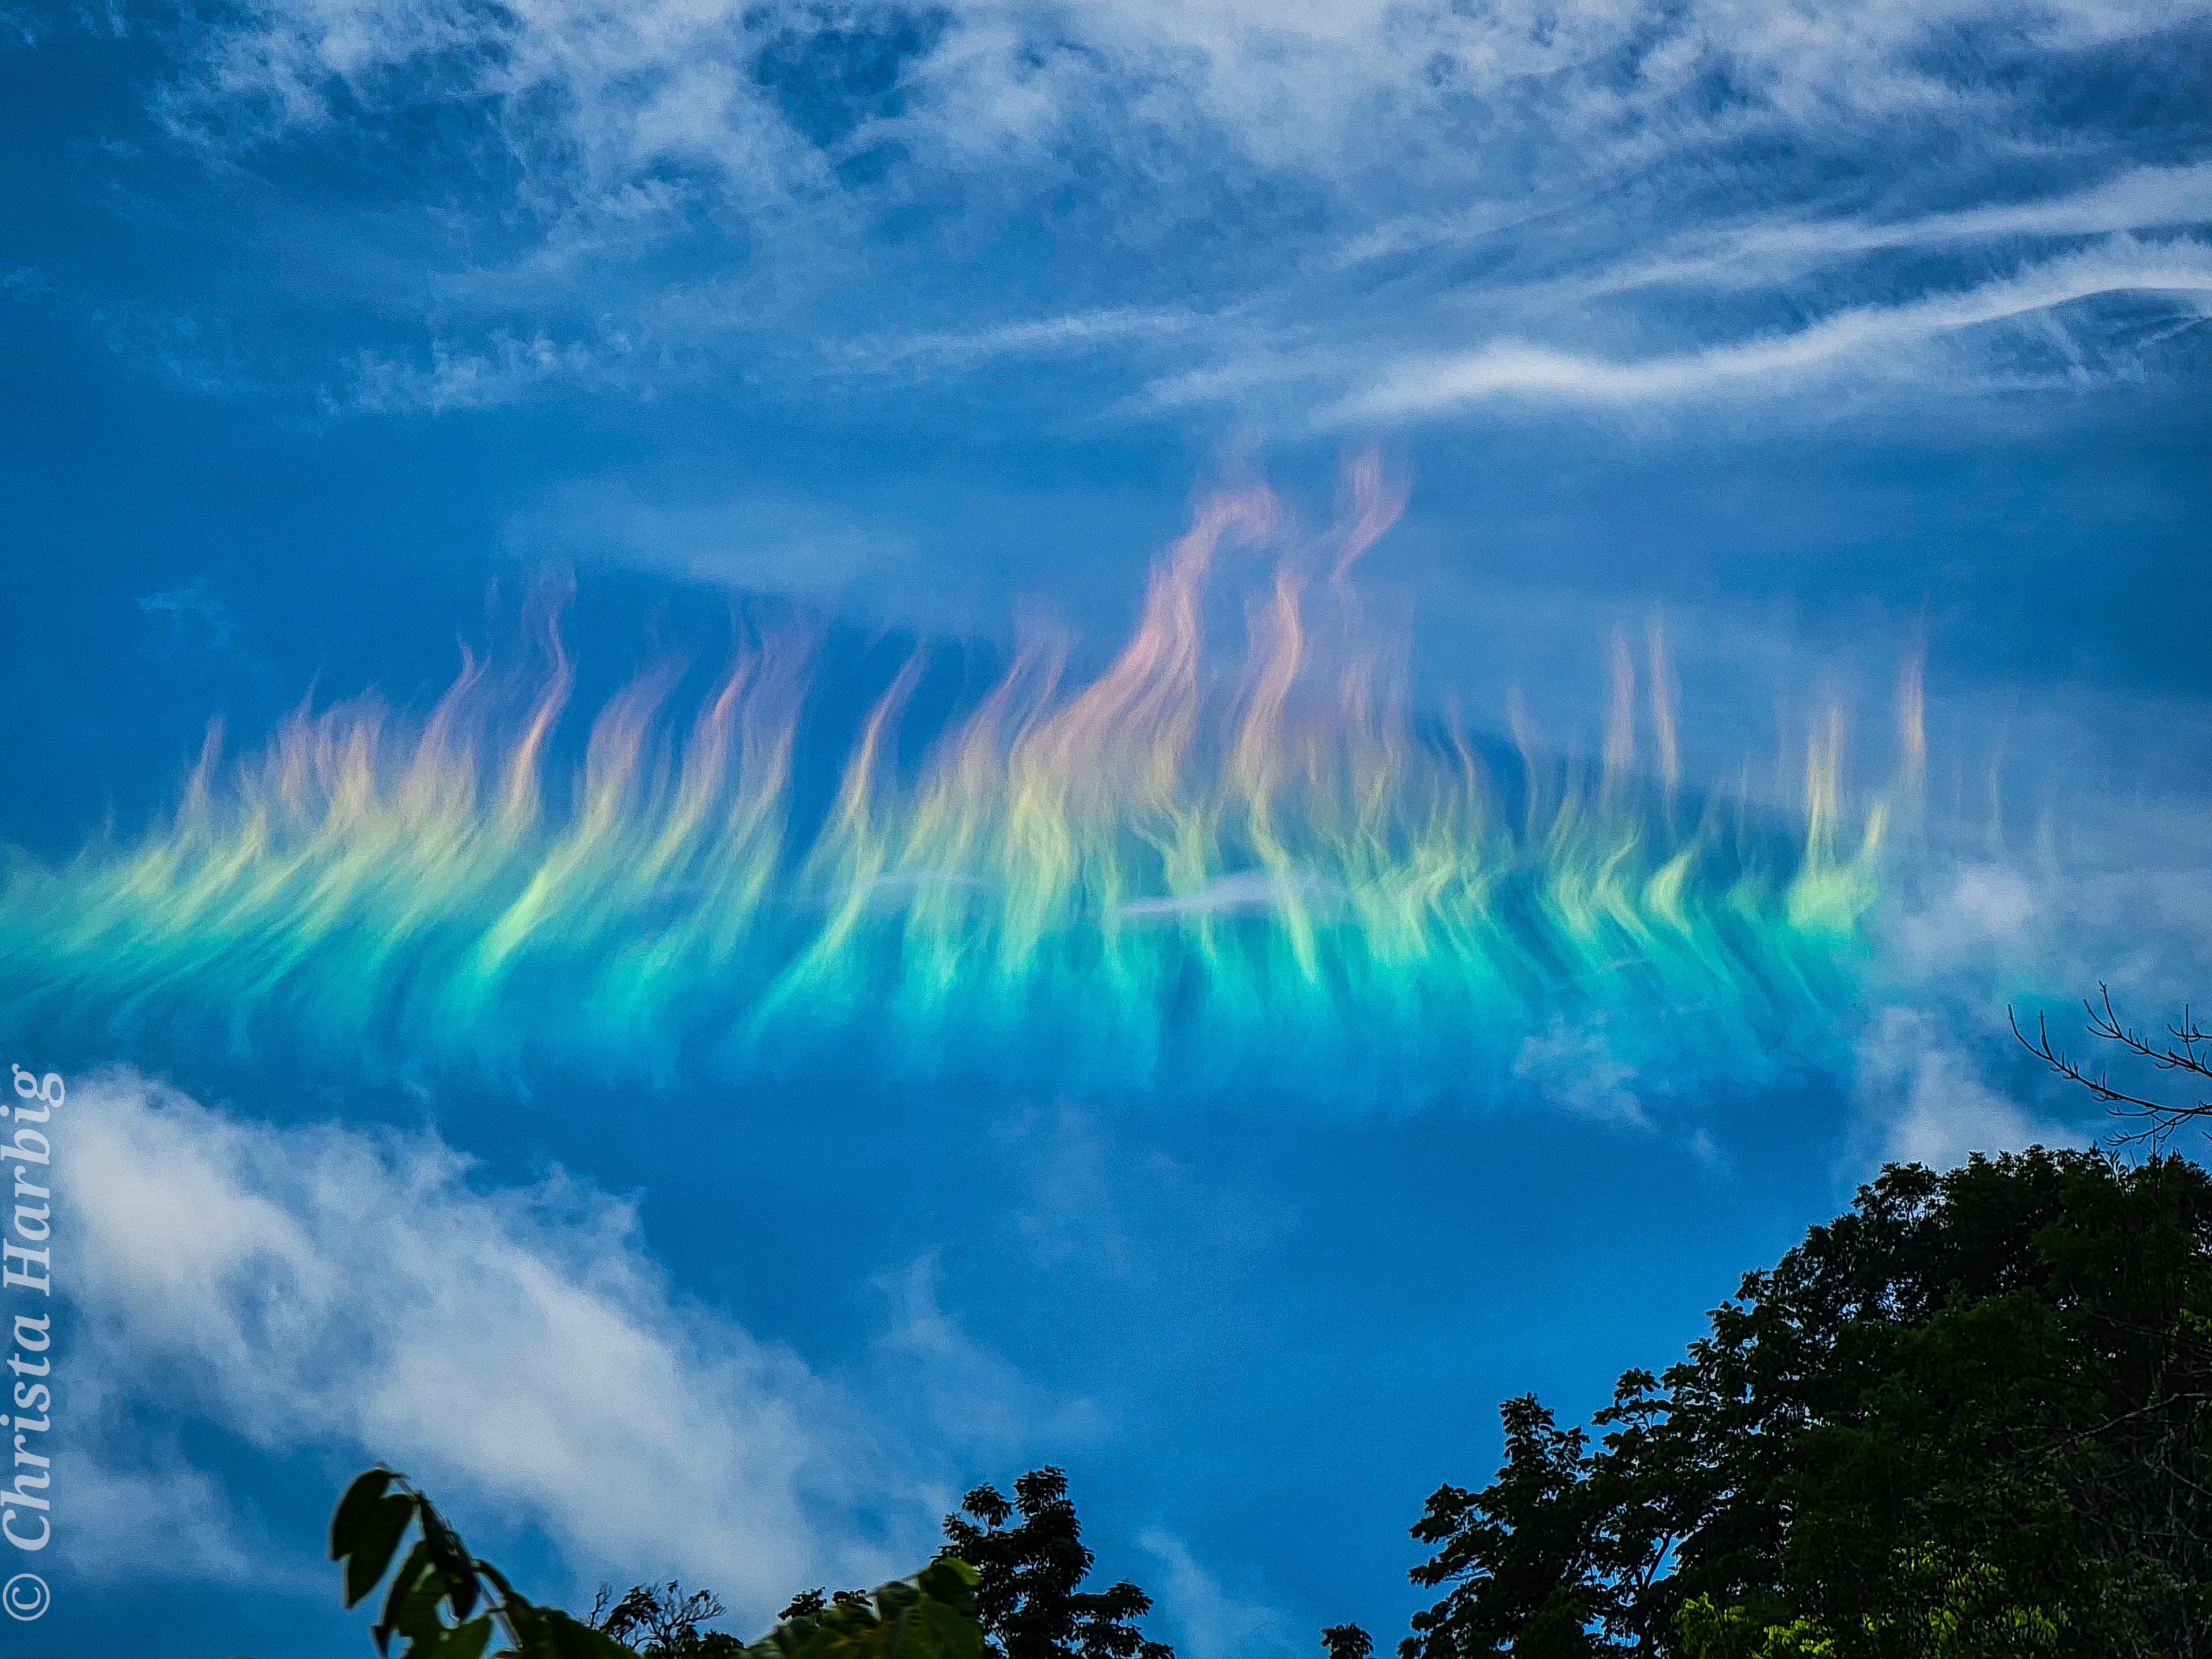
[1155, 880]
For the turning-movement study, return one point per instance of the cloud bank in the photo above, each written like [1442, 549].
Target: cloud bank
[365, 1295]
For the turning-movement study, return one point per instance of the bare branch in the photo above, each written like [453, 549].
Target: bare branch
[2181, 1052]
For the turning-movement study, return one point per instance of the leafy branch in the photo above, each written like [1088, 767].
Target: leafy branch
[438, 1581]
[445, 1603]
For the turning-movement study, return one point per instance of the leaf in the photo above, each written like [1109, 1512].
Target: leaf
[418, 1618]
[395, 1604]
[952, 1580]
[508, 1599]
[370, 1541]
[463, 1641]
[455, 1563]
[930, 1615]
[356, 1506]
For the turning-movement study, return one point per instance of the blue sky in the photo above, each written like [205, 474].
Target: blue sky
[1826, 339]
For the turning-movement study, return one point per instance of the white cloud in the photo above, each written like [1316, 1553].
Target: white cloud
[2109, 891]
[1209, 1621]
[1311, 87]
[758, 539]
[1976, 913]
[500, 370]
[1239, 893]
[515, 1349]
[1068, 335]
[154, 1517]
[966, 1393]
[1920, 1087]
[2115, 894]
[604, 93]
[1769, 251]
[1871, 340]
[1574, 1067]
[1537, 171]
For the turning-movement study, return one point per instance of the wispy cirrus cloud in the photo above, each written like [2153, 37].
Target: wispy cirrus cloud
[1766, 251]
[1221, 205]
[1877, 341]
[500, 369]
[747, 91]
[1071, 335]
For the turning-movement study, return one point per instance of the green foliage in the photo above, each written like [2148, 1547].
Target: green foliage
[2015, 1358]
[1945, 1607]
[1952, 1605]
[930, 1615]
[1705, 1630]
[432, 1605]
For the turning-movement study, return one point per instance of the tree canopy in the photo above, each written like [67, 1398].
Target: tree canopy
[1972, 1416]
[1031, 1563]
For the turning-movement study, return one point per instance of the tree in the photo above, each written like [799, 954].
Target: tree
[668, 1618]
[1029, 1601]
[1970, 1416]
[1029, 1595]
[1520, 1555]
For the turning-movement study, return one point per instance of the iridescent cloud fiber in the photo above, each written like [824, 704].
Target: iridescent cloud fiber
[1158, 880]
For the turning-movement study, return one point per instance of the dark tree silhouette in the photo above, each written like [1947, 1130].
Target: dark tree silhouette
[1520, 1556]
[812, 1604]
[662, 1621]
[1029, 1594]
[1971, 1417]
